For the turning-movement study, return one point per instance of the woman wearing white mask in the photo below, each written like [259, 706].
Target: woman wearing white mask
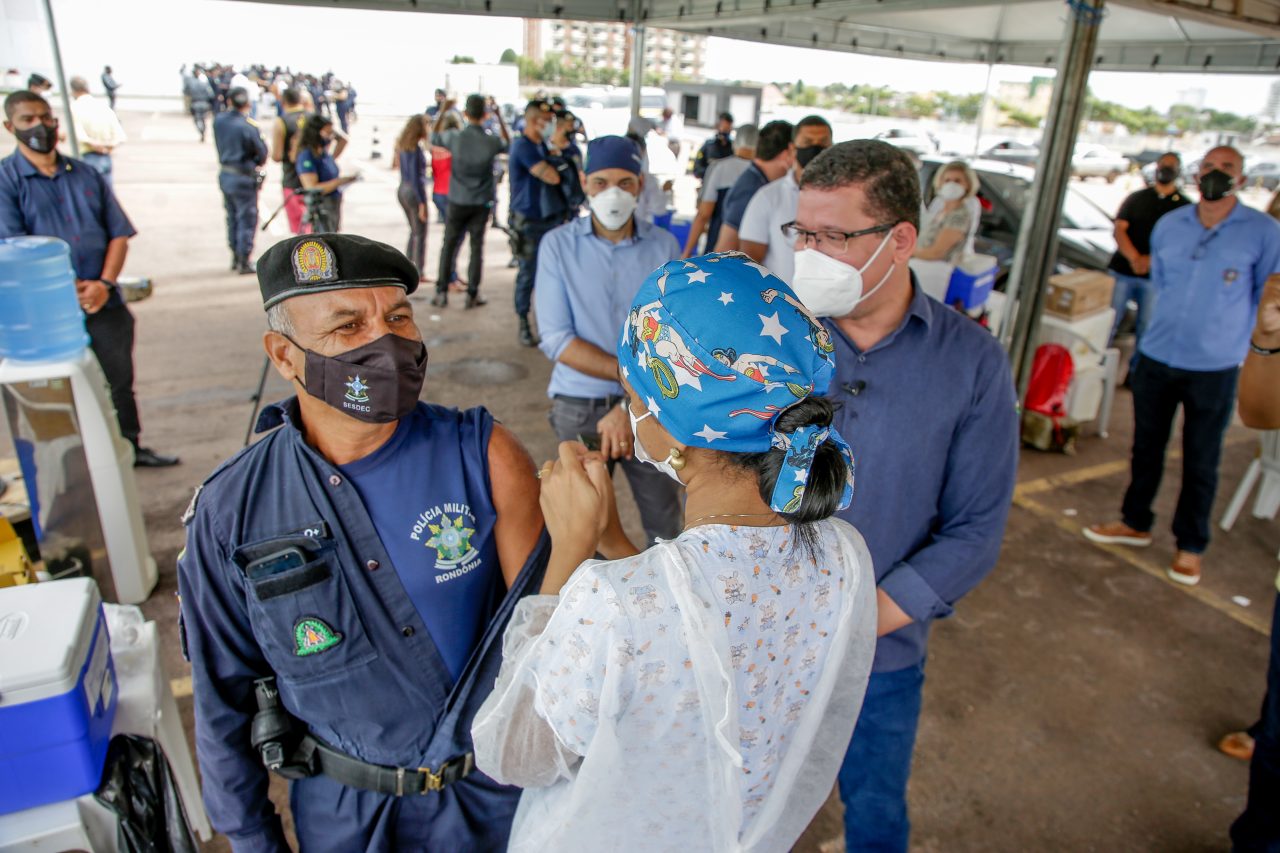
[698, 695]
[952, 215]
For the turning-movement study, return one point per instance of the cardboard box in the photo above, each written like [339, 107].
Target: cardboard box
[1078, 293]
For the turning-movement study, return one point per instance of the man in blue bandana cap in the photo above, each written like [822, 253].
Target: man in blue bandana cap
[589, 270]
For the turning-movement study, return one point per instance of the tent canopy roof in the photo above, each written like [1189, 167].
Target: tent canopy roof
[1206, 36]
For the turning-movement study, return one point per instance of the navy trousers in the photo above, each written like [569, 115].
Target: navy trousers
[877, 765]
[531, 232]
[240, 198]
[1258, 829]
[1207, 398]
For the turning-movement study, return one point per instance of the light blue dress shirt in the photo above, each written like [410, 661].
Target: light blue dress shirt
[1208, 282]
[584, 288]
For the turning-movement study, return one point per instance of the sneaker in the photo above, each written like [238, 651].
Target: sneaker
[440, 300]
[145, 457]
[1237, 745]
[1185, 568]
[474, 300]
[1117, 533]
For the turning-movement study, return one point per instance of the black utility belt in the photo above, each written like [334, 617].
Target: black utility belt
[610, 401]
[241, 170]
[398, 781]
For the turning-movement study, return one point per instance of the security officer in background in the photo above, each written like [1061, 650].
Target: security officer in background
[374, 596]
[242, 153]
[530, 165]
[716, 148]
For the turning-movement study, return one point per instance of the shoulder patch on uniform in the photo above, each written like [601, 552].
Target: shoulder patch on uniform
[252, 123]
[190, 512]
[313, 260]
[312, 636]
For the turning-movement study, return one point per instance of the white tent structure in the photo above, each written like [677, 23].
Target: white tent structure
[1072, 36]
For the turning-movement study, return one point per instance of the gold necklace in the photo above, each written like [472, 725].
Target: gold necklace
[693, 522]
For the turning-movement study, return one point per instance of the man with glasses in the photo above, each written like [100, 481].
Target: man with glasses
[927, 401]
[759, 234]
[1209, 263]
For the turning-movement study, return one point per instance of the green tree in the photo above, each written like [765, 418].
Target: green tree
[463, 60]
[509, 57]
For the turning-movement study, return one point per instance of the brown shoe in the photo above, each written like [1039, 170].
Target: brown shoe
[1117, 533]
[1237, 745]
[1185, 569]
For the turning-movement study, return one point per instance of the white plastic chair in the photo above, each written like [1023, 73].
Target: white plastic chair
[1267, 467]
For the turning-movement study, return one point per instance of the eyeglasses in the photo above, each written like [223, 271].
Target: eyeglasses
[833, 241]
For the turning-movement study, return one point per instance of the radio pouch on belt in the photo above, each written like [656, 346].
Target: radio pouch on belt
[278, 737]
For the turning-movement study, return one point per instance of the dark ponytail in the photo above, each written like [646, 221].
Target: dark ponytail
[828, 473]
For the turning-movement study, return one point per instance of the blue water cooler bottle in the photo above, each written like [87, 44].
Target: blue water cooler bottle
[77, 468]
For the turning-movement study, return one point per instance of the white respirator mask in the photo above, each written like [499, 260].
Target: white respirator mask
[642, 455]
[613, 207]
[951, 191]
[831, 288]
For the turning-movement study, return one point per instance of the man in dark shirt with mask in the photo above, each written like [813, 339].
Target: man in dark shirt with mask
[1131, 264]
[374, 596]
[44, 194]
[716, 148]
[1209, 263]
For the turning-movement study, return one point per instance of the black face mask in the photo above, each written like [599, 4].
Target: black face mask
[1216, 185]
[376, 383]
[1166, 175]
[804, 156]
[41, 138]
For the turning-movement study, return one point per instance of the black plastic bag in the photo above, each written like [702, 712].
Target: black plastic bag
[138, 787]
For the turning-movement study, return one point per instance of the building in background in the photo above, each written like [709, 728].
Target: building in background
[606, 46]
[1272, 110]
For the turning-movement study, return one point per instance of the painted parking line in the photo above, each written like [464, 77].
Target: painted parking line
[1022, 497]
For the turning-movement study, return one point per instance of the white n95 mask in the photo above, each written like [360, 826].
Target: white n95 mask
[642, 455]
[613, 207]
[831, 288]
[951, 191]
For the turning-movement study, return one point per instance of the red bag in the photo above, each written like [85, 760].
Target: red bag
[1044, 419]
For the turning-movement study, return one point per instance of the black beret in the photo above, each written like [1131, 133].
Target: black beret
[314, 263]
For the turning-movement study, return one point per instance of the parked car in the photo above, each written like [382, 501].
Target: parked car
[1012, 151]
[917, 141]
[1265, 175]
[1085, 235]
[1095, 161]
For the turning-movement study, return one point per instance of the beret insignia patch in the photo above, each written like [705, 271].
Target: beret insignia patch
[313, 260]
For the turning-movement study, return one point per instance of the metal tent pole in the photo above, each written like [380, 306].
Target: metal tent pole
[982, 111]
[62, 79]
[1037, 249]
[637, 66]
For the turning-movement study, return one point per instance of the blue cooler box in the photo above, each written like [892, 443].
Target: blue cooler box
[972, 281]
[57, 692]
[680, 228]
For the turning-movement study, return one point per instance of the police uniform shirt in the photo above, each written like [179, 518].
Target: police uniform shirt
[240, 146]
[1142, 210]
[74, 205]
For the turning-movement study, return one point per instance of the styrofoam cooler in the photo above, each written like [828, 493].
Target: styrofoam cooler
[57, 692]
[972, 281]
[1084, 337]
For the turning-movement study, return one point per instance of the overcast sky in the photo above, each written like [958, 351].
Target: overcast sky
[383, 51]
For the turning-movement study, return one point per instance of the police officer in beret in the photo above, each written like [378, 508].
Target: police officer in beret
[365, 554]
[241, 153]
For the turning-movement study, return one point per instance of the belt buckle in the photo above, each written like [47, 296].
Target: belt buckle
[431, 781]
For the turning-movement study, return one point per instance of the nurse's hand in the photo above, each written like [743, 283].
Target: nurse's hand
[575, 504]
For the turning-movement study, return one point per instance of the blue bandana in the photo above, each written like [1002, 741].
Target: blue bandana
[717, 347]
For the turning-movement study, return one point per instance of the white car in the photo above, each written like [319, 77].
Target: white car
[1095, 161]
[919, 142]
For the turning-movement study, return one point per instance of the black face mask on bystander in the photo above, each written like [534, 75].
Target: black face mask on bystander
[41, 138]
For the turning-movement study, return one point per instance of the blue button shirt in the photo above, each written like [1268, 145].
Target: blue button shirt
[1208, 282]
[381, 692]
[438, 529]
[933, 427]
[239, 142]
[734, 206]
[74, 205]
[583, 289]
[525, 154]
[323, 166]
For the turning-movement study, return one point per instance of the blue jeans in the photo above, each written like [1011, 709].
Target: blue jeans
[1258, 829]
[877, 765]
[1143, 294]
[101, 164]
